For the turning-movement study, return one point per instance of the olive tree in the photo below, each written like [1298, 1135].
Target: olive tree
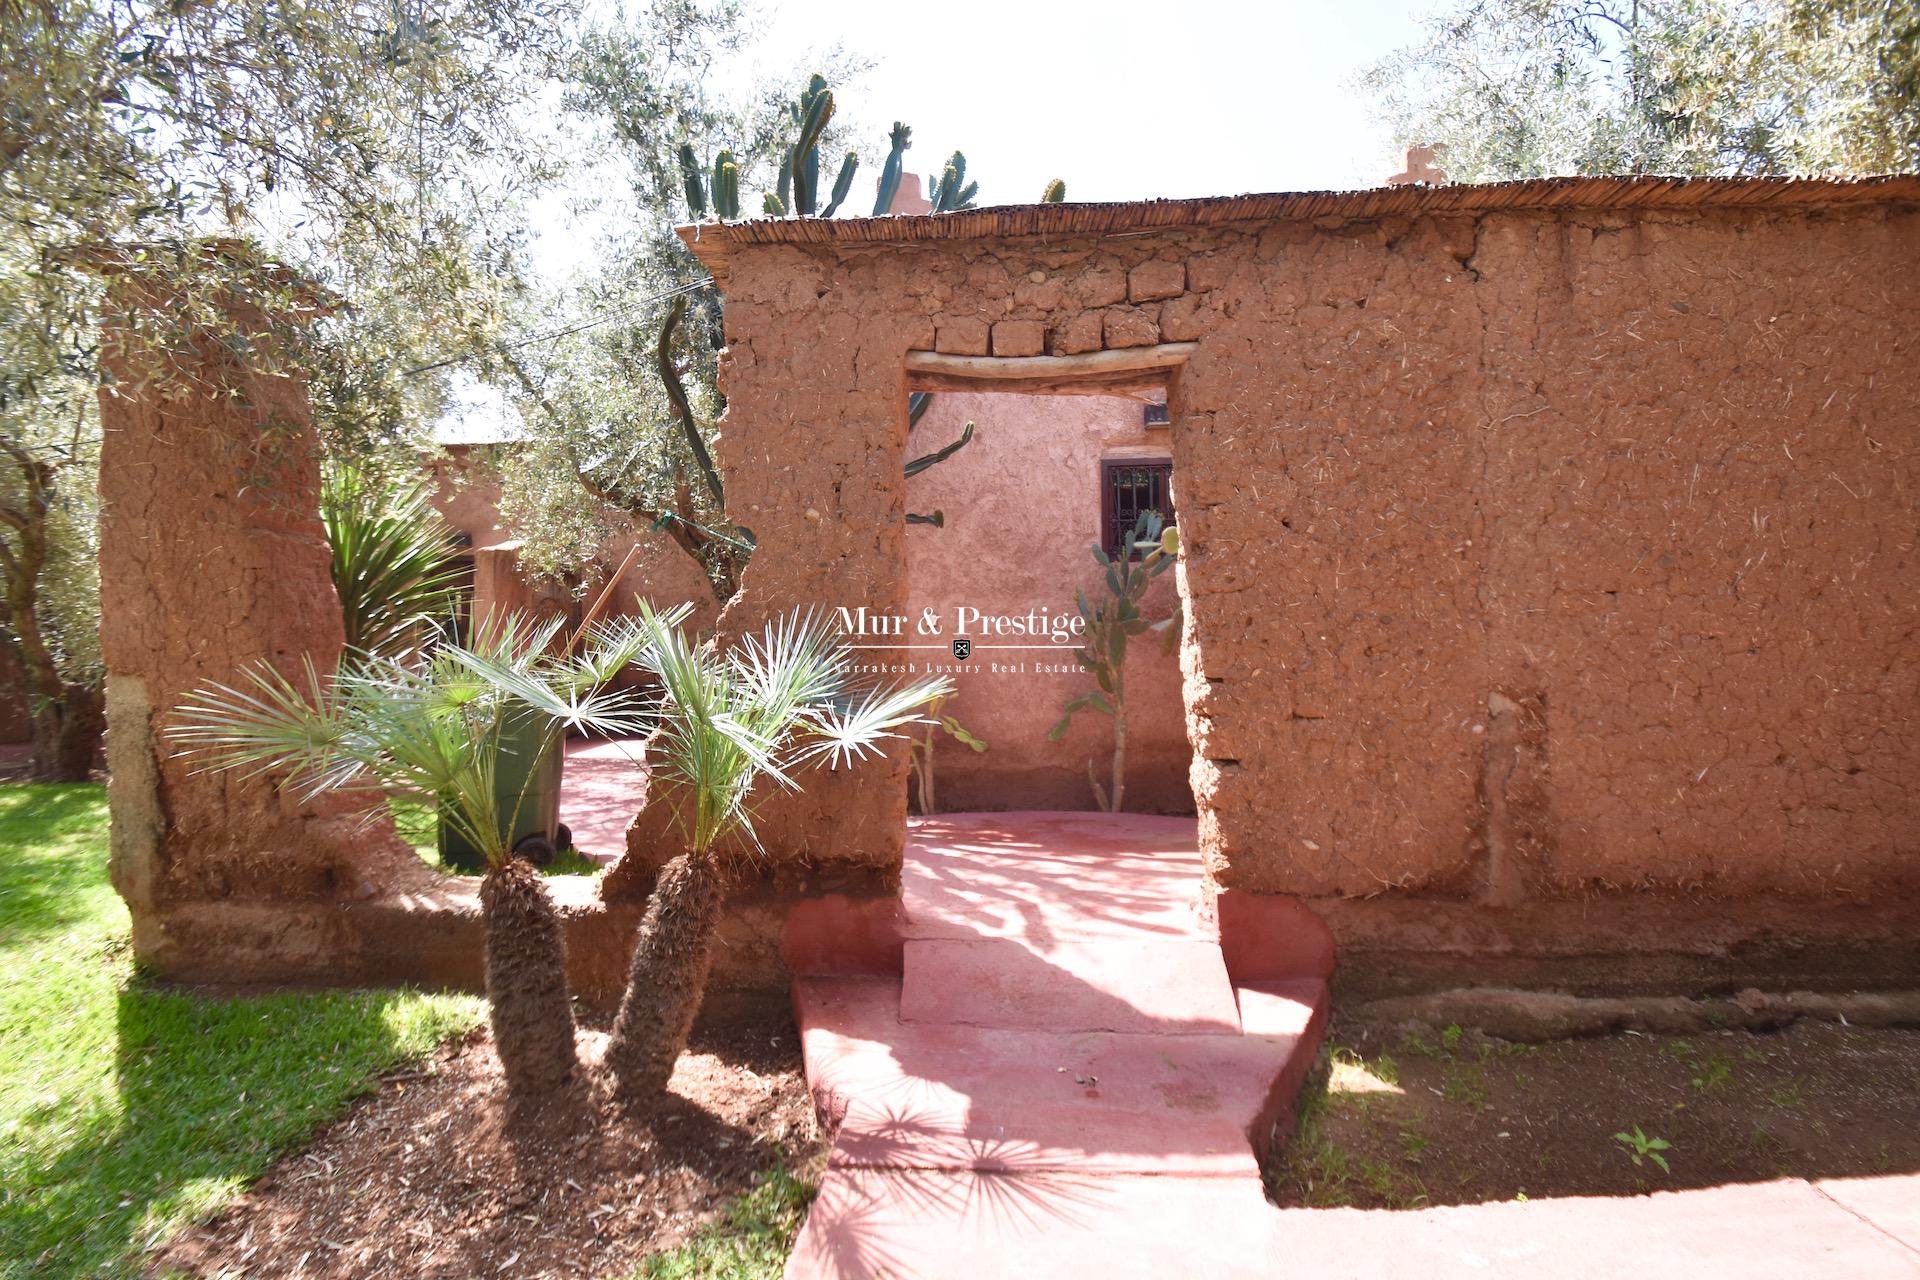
[1526, 88]
[382, 150]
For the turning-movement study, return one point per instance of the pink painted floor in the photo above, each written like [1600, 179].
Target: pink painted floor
[1062, 1064]
[1062, 1081]
[600, 791]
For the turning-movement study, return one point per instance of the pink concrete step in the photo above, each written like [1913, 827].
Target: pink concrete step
[922, 1224]
[1054, 877]
[1154, 987]
[948, 1096]
[1064, 1080]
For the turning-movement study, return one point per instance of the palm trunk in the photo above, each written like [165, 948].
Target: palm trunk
[527, 1000]
[668, 977]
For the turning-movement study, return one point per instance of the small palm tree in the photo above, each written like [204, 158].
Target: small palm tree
[393, 560]
[432, 729]
[773, 705]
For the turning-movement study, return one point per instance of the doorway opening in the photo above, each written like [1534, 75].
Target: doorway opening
[1001, 546]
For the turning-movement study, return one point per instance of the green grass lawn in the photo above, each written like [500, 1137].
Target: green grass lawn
[126, 1112]
[417, 824]
[750, 1241]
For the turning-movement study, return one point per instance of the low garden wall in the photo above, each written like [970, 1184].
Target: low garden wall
[1548, 552]
[1548, 547]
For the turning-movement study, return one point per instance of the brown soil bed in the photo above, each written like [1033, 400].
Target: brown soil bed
[1409, 1119]
[429, 1177]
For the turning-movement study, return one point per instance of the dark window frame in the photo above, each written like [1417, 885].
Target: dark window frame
[1121, 498]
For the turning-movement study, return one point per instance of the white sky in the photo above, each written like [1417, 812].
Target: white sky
[1124, 99]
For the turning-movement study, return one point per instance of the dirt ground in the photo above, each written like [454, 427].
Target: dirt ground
[1409, 1118]
[429, 1178]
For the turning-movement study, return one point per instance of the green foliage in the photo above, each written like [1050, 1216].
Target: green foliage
[130, 1112]
[1712, 1073]
[1517, 89]
[1639, 1148]
[1107, 627]
[609, 442]
[393, 560]
[920, 755]
[428, 731]
[916, 465]
[1325, 1174]
[595, 426]
[750, 1242]
[772, 705]
[358, 143]
[951, 192]
[1056, 193]
[898, 141]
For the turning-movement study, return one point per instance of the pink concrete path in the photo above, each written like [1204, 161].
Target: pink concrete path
[600, 790]
[1040, 1067]
[1061, 1079]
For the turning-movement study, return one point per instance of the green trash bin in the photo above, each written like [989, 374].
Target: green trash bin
[533, 816]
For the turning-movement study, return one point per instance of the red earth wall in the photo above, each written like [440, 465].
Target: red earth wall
[212, 557]
[1531, 557]
[1549, 579]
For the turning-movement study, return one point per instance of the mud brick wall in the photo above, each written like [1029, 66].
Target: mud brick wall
[1531, 555]
[212, 557]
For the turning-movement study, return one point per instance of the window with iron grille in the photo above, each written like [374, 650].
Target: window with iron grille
[1129, 486]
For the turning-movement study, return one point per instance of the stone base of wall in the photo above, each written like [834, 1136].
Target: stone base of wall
[849, 923]
[435, 940]
[1390, 947]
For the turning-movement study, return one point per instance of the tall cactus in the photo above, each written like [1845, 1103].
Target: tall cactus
[797, 194]
[897, 143]
[951, 191]
[841, 185]
[725, 184]
[690, 176]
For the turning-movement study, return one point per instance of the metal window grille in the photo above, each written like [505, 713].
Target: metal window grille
[1128, 487]
[1156, 414]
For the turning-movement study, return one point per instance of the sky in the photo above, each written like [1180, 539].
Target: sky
[1124, 99]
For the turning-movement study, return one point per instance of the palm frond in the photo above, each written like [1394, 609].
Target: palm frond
[848, 732]
[431, 728]
[394, 560]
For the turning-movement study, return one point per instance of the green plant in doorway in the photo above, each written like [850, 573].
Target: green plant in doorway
[729, 719]
[1109, 626]
[920, 751]
[430, 730]
[393, 560]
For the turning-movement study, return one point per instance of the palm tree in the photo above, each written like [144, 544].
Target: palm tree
[771, 706]
[394, 560]
[432, 729]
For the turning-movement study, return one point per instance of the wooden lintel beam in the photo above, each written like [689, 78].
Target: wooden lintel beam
[1094, 373]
